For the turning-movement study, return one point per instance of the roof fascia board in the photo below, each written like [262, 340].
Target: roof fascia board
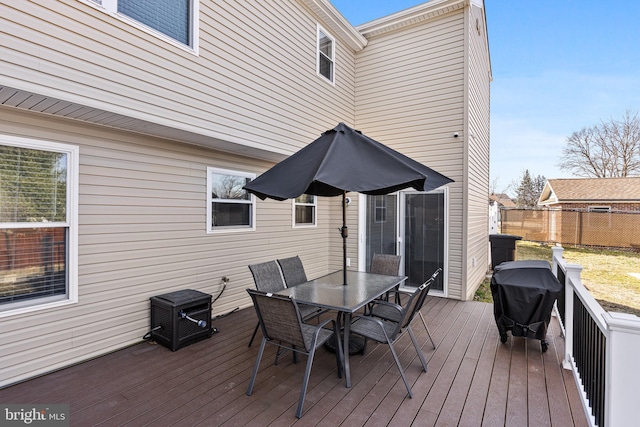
[547, 195]
[480, 4]
[597, 201]
[337, 23]
[410, 16]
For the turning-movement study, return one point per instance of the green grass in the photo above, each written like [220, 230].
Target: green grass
[605, 273]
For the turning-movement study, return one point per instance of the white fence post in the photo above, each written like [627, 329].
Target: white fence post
[623, 369]
[557, 255]
[572, 272]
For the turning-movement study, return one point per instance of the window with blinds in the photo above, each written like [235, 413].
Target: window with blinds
[34, 224]
[175, 19]
[170, 17]
[304, 210]
[326, 55]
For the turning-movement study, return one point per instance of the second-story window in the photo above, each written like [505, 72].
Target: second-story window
[326, 55]
[170, 17]
[176, 19]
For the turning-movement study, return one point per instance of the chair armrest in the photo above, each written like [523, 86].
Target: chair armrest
[368, 319]
[398, 291]
[387, 303]
[322, 324]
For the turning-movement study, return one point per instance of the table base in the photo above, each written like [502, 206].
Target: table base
[356, 344]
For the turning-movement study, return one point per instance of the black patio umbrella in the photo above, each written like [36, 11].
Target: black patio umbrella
[343, 160]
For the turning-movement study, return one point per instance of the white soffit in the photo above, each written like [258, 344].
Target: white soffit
[25, 99]
[412, 15]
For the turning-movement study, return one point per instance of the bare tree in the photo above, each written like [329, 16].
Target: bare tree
[611, 149]
[493, 186]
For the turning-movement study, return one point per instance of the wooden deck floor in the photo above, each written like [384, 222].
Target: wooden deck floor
[472, 380]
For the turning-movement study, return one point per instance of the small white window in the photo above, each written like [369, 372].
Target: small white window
[326, 55]
[229, 206]
[380, 206]
[175, 19]
[38, 225]
[304, 210]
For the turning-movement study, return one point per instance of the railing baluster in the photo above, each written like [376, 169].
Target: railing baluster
[585, 338]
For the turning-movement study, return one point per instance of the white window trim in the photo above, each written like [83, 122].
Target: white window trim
[599, 208]
[362, 220]
[315, 215]
[229, 229]
[111, 7]
[73, 153]
[333, 54]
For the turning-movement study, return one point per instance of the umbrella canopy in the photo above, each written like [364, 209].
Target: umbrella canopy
[342, 160]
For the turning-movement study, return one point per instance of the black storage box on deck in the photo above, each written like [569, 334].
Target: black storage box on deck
[180, 318]
[523, 296]
[503, 248]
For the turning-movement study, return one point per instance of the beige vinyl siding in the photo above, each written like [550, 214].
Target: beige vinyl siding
[142, 232]
[252, 89]
[478, 80]
[409, 95]
[253, 82]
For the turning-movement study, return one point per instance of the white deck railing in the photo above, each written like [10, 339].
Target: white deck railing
[601, 348]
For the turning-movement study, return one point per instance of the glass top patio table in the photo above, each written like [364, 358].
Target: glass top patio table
[329, 292]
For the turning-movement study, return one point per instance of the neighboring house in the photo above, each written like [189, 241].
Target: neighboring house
[496, 202]
[503, 200]
[592, 194]
[126, 136]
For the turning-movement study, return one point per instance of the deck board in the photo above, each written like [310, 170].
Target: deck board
[472, 380]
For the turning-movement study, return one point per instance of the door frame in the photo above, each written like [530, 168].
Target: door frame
[400, 227]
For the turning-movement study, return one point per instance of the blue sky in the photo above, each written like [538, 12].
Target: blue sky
[558, 66]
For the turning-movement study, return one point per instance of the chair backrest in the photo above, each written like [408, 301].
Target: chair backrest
[430, 282]
[279, 318]
[385, 264]
[293, 271]
[267, 276]
[412, 307]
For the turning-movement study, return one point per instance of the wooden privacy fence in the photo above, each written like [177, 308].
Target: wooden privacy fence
[608, 229]
[31, 247]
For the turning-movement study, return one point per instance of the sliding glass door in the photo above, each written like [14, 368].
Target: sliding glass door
[423, 231]
[410, 224]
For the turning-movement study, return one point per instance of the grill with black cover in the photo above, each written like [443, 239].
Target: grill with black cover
[523, 296]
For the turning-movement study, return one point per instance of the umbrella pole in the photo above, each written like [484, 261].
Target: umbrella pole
[344, 231]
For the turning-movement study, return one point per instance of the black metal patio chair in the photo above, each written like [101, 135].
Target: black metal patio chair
[268, 278]
[386, 264]
[292, 270]
[389, 312]
[282, 326]
[388, 331]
